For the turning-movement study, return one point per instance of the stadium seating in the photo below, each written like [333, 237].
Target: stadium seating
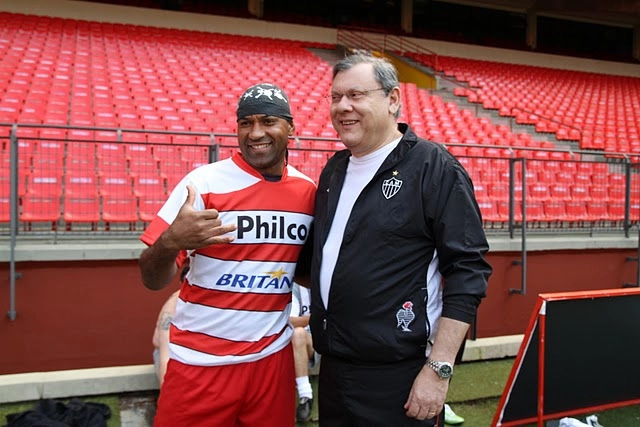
[599, 111]
[153, 83]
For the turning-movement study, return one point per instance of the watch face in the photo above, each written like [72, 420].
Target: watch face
[445, 371]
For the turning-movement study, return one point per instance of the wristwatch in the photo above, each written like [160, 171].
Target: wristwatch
[443, 369]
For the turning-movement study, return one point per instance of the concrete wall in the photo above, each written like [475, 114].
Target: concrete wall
[78, 314]
[88, 313]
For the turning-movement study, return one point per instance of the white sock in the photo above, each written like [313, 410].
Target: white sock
[304, 387]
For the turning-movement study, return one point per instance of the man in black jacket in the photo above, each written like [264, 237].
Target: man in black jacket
[399, 263]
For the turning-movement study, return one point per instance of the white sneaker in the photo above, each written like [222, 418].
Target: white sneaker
[571, 422]
[450, 417]
[592, 420]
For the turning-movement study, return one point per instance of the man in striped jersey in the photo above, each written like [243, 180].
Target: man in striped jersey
[242, 222]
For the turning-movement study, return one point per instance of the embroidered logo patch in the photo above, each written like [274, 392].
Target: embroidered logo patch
[405, 316]
[390, 187]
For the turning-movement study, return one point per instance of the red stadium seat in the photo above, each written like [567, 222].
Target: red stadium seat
[119, 210]
[580, 192]
[503, 210]
[565, 177]
[490, 215]
[5, 212]
[498, 191]
[149, 208]
[81, 157]
[45, 184]
[83, 210]
[149, 186]
[616, 210]
[79, 184]
[598, 212]
[599, 193]
[559, 191]
[40, 208]
[535, 212]
[582, 179]
[576, 211]
[555, 211]
[539, 191]
[116, 186]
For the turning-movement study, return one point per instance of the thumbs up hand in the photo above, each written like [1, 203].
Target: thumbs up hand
[194, 229]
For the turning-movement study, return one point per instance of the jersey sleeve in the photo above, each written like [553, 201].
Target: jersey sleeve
[168, 212]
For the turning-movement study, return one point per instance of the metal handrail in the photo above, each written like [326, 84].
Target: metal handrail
[513, 118]
[403, 45]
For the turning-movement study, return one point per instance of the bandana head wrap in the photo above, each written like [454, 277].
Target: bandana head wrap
[264, 98]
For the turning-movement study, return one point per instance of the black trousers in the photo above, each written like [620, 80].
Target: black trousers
[368, 395]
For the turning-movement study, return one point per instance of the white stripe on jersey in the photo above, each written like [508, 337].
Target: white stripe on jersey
[222, 275]
[193, 357]
[265, 226]
[228, 323]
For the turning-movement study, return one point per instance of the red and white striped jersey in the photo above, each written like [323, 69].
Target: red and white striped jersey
[234, 305]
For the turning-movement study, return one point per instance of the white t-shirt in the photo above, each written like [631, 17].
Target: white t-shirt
[300, 301]
[359, 173]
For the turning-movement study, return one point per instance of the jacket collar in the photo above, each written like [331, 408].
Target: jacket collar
[408, 141]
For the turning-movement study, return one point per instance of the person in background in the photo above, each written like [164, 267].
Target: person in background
[160, 338]
[396, 215]
[242, 223]
[303, 353]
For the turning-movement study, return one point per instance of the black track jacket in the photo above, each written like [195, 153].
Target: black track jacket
[420, 200]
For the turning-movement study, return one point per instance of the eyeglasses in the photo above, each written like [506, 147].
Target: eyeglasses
[352, 95]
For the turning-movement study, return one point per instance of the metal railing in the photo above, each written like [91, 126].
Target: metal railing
[304, 154]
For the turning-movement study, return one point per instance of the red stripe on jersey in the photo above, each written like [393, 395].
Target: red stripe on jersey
[266, 196]
[247, 301]
[252, 252]
[153, 231]
[219, 346]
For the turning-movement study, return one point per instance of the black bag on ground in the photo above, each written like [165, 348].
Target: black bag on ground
[56, 413]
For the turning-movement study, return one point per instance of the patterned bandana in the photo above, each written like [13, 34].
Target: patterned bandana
[264, 98]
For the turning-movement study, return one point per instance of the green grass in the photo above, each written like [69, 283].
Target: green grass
[474, 394]
[479, 380]
[476, 388]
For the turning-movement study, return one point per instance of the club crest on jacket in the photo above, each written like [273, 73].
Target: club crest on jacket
[405, 316]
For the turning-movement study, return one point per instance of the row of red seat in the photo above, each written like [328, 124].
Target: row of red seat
[600, 111]
[116, 209]
[596, 193]
[82, 211]
[553, 213]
